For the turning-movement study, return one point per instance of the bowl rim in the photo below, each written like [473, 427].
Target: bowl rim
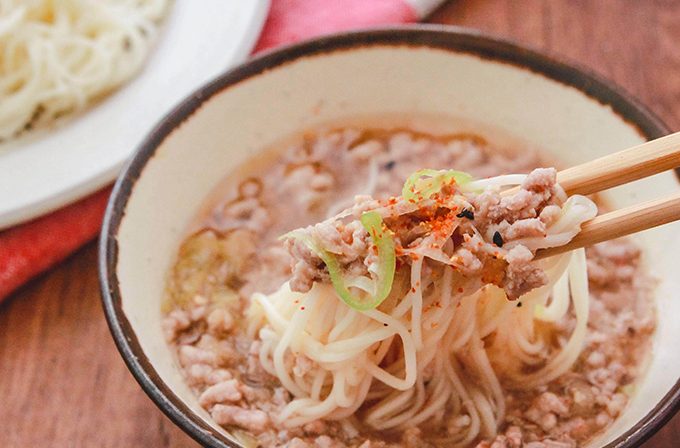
[444, 37]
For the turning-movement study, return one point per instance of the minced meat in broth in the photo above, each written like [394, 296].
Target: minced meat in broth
[235, 252]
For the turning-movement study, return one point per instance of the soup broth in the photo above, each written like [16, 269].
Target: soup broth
[233, 250]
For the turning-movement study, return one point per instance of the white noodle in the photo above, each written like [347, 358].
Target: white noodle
[56, 56]
[426, 352]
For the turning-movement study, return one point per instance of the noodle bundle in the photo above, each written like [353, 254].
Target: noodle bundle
[466, 313]
[56, 56]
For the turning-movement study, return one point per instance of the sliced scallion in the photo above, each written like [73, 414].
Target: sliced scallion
[424, 183]
[384, 243]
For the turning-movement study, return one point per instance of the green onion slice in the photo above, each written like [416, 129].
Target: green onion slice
[424, 183]
[382, 239]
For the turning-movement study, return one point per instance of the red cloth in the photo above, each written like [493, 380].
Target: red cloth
[31, 248]
[293, 20]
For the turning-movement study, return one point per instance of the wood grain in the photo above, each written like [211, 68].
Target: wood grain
[622, 166]
[62, 382]
[622, 222]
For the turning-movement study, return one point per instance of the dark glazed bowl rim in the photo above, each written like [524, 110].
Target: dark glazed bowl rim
[448, 38]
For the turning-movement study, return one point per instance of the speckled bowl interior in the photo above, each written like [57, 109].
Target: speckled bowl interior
[436, 71]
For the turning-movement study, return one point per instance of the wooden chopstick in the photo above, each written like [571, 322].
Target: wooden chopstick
[622, 167]
[621, 223]
[615, 169]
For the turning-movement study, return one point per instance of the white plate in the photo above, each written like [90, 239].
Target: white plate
[41, 172]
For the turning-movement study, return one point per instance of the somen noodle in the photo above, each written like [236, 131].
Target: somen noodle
[56, 56]
[435, 323]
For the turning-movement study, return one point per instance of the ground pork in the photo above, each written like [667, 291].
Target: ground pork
[251, 419]
[226, 391]
[205, 374]
[538, 191]
[509, 218]
[348, 242]
[522, 276]
[190, 355]
[524, 228]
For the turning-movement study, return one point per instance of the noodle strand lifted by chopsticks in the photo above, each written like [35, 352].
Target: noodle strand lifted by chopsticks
[417, 357]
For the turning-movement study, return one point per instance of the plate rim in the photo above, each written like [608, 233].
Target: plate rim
[40, 205]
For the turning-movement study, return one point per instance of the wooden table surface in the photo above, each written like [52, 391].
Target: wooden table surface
[62, 382]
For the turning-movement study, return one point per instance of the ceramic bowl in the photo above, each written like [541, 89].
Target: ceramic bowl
[568, 111]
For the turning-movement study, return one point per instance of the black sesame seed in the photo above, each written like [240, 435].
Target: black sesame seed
[389, 165]
[519, 304]
[498, 239]
[469, 214]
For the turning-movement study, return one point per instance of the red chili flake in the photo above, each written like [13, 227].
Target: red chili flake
[302, 308]
[460, 290]
[413, 289]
